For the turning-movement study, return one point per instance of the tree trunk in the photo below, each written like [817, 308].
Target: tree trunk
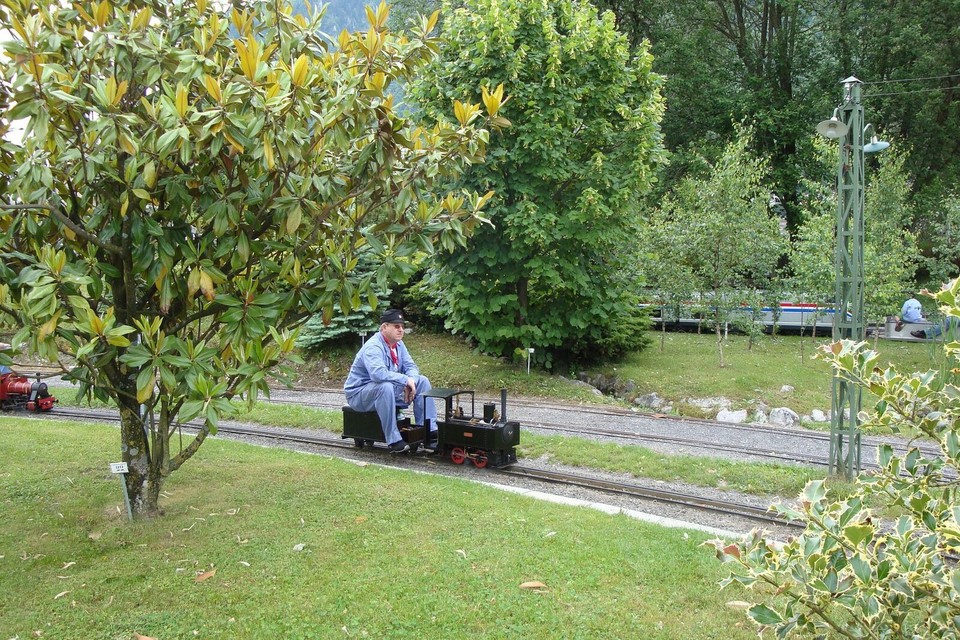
[143, 478]
[720, 344]
[522, 301]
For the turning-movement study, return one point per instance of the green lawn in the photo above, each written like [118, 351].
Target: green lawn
[688, 366]
[386, 553]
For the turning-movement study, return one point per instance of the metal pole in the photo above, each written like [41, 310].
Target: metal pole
[126, 496]
[848, 323]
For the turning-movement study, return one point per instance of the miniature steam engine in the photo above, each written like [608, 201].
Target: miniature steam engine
[18, 393]
[487, 440]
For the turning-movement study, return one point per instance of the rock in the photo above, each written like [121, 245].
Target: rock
[652, 400]
[786, 389]
[586, 385]
[759, 417]
[819, 416]
[784, 417]
[726, 415]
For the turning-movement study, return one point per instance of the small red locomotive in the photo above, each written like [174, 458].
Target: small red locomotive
[17, 392]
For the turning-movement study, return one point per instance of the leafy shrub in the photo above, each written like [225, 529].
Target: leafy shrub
[314, 333]
[849, 573]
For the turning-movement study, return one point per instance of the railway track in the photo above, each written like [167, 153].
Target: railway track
[737, 509]
[804, 442]
[628, 490]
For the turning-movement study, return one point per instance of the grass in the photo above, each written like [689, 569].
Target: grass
[449, 362]
[386, 554]
[688, 367]
[747, 477]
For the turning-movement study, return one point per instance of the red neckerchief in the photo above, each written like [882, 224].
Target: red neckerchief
[393, 353]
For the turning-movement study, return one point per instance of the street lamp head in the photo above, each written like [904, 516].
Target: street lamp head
[833, 128]
[875, 144]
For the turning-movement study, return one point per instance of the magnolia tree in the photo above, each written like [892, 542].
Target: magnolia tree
[192, 182]
[851, 574]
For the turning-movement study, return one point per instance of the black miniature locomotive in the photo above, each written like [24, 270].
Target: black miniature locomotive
[487, 440]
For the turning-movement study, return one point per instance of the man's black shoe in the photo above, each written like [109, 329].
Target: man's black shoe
[919, 334]
[398, 447]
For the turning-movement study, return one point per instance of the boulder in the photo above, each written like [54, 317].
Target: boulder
[652, 400]
[784, 417]
[738, 416]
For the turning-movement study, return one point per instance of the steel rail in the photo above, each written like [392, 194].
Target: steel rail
[647, 493]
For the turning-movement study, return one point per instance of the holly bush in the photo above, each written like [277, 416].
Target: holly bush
[857, 571]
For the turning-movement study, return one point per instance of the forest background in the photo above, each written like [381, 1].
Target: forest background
[743, 85]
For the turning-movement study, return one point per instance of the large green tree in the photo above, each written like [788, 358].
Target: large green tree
[191, 183]
[554, 271]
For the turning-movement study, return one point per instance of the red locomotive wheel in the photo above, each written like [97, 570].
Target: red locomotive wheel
[480, 460]
[458, 455]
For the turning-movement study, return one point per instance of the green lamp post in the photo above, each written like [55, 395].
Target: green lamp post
[846, 125]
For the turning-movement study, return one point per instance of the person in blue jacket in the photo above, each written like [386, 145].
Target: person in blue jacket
[911, 312]
[383, 376]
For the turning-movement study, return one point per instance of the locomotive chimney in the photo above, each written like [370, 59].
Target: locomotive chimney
[503, 405]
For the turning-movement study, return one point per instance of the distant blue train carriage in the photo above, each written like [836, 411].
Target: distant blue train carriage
[791, 316]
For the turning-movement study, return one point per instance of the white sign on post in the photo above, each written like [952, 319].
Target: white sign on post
[118, 467]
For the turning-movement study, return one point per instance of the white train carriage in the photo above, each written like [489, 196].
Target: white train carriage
[789, 316]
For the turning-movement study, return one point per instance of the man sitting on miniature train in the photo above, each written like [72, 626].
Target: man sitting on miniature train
[383, 377]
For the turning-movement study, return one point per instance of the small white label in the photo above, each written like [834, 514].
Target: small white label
[118, 467]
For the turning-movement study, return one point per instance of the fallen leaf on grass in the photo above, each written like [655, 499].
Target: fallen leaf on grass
[463, 554]
[67, 565]
[60, 595]
[137, 636]
[533, 584]
[244, 563]
[739, 604]
[299, 547]
[205, 575]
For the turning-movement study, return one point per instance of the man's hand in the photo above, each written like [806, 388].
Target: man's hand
[409, 391]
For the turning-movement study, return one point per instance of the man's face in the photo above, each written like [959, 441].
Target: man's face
[392, 332]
